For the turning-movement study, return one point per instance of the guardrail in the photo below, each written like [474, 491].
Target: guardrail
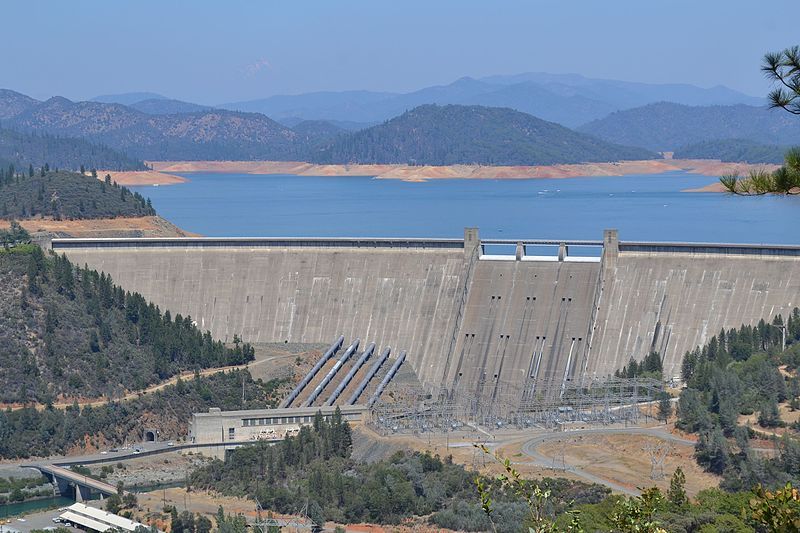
[412, 243]
[542, 242]
[770, 250]
[246, 242]
[122, 456]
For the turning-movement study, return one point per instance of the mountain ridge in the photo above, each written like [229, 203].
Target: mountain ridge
[666, 126]
[572, 99]
[455, 134]
[216, 134]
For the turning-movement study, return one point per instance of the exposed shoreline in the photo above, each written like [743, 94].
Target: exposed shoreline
[144, 226]
[141, 177]
[164, 171]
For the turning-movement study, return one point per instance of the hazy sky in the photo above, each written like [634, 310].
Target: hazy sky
[222, 51]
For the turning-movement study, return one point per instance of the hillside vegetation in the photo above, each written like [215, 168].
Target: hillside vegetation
[209, 134]
[452, 134]
[422, 491]
[24, 149]
[30, 432]
[667, 127]
[316, 467]
[733, 150]
[744, 372]
[69, 332]
[66, 195]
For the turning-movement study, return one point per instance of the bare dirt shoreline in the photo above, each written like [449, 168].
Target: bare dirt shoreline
[141, 177]
[163, 171]
[146, 226]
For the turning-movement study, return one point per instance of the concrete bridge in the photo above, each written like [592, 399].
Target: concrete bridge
[485, 317]
[72, 483]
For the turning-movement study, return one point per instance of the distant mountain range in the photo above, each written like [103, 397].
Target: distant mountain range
[568, 99]
[13, 103]
[211, 134]
[428, 134]
[166, 106]
[492, 120]
[455, 134]
[736, 150]
[127, 98]
[668, 126]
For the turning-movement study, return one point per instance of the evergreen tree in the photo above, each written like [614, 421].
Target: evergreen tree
[676, 495]
[769, 416]
[664, 407]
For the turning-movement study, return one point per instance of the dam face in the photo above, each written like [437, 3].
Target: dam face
[478, 324]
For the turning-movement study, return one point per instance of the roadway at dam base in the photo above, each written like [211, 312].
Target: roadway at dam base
[485, 325]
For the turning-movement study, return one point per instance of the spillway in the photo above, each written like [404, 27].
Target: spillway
[487, 325]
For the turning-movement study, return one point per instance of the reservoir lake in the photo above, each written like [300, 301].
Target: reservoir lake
[641, 207]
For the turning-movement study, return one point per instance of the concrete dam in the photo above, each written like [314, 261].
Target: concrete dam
[480, 323]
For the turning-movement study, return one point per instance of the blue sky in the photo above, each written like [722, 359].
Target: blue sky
[222, 51]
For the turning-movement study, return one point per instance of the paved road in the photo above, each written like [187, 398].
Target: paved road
[100, 486]
[530, 448]
[131, 395]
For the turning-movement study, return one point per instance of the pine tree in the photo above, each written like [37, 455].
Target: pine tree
[664, 407]
[769, 416]
[676, 495]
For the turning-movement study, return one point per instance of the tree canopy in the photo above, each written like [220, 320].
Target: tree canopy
[783, 68]
[785, 180]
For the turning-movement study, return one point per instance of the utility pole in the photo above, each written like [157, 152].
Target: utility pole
[781, 327]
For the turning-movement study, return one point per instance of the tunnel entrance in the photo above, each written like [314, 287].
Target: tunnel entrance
[150, 435]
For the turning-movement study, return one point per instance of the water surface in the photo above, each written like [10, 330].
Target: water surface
[22, 508]
[642, 207]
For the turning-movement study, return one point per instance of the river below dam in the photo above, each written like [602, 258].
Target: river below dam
[641, 207]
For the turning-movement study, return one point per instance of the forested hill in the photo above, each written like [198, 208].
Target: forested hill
[667, 127]
[455, 134]
[735, 150]
[205, 134]
[69, 332]
[29, 193]
[23, 149]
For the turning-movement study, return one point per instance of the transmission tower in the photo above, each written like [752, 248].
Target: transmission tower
[658, 453]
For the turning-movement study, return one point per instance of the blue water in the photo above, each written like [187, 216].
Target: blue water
[648, 207]
[17, 509]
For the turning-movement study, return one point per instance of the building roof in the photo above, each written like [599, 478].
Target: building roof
[97, 519]
[84, 521]
[285, 411]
